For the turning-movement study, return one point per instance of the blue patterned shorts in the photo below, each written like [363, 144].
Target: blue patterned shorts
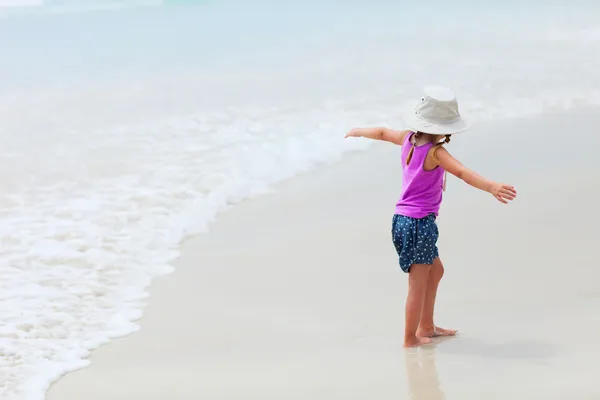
[415, 240]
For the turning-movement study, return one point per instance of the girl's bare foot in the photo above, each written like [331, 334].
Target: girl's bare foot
[435, 332]
[416, 341]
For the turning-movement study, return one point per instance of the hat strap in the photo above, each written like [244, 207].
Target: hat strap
[445, 180]
[437, 147]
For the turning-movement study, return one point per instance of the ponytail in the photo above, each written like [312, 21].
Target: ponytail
[413, 140]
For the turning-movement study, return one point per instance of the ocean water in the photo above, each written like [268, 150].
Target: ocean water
[126, 126]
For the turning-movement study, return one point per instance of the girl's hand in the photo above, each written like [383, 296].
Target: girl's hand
[503, 193]
[353, 133]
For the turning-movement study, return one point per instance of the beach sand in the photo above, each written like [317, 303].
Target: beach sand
[298, 294]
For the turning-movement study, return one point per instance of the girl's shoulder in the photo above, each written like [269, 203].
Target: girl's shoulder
[432, 160]
[435, 150]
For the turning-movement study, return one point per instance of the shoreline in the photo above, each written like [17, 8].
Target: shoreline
[297, 293]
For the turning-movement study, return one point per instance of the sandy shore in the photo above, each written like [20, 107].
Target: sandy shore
[297, 295]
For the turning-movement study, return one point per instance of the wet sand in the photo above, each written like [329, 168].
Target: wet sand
[298, 295]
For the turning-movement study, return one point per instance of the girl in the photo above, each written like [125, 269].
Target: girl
[414, 231]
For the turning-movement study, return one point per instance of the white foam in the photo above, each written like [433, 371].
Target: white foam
[80, 249]
[100, 181]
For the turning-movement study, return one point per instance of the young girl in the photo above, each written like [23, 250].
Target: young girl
[414, 231]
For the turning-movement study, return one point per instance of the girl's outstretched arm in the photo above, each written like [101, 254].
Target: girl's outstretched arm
[502, 192]
[379, 133]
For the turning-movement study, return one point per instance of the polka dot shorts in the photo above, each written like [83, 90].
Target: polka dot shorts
[415, 240]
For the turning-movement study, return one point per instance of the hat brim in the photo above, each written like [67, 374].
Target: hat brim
[417, 124]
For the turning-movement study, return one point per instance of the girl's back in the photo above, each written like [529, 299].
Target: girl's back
[421, 189]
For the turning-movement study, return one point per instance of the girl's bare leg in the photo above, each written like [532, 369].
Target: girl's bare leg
[417, 288]
[426, 325]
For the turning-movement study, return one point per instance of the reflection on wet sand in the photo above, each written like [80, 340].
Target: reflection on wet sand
[421, 369]
[423, 381]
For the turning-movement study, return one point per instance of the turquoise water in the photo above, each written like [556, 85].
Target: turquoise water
[127, 126]
[51, 45]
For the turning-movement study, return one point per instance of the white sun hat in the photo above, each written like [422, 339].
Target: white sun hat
[437, 113]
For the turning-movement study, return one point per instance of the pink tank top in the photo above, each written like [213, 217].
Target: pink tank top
[421, 189]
